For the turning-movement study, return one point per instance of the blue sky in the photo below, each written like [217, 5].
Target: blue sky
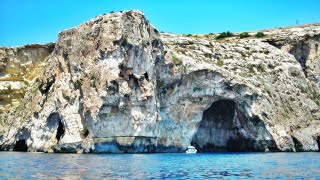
[39, 21]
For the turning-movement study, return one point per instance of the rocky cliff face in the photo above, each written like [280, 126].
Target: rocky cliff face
[18, 68]
[114, 84]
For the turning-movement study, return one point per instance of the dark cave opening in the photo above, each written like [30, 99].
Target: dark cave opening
[21, 145]
[225, 127]
[60, 131]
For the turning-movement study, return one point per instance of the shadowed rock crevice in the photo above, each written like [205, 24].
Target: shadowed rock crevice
[225, 127]
[301, 52]
[45, 86]
[84, 133]
[297, 144]
[21, 145]
[60, 131]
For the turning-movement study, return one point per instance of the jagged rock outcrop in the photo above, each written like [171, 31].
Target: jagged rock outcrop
[114, 84]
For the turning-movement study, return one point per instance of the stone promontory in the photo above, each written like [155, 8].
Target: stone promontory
[115, 84]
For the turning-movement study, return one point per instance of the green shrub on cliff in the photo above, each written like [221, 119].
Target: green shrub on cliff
[224, 35]
[244, 35]
[259, 35]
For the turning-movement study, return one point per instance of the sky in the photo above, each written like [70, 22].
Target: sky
[40, 21]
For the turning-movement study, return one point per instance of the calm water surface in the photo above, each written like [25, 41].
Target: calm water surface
[14, 165]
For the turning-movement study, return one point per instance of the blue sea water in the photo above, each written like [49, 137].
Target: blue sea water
[15, 165]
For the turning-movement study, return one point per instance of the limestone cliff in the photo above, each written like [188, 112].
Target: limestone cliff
[18, 68]
[115, 84]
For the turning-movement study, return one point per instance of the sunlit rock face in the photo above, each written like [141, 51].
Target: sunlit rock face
[114, 84]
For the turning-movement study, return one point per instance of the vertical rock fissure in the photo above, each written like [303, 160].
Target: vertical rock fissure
[60, 131]
[318, 141]
[297, 144]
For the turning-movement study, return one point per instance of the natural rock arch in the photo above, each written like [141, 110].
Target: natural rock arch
[226, 127]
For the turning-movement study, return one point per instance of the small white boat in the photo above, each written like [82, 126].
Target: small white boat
[191, 150]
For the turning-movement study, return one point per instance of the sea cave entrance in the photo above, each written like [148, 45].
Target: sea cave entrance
[20, 145]
[226, 127]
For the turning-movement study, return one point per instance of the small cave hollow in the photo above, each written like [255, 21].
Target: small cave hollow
[225, 127]
[84, 133]
[60, 131]
[55, 123]
[21, 146]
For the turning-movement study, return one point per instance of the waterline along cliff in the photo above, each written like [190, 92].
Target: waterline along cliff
[115, 84]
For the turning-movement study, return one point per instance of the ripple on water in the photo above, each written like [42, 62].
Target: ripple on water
[159, 166]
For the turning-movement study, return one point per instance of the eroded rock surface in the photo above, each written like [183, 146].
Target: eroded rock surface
[114, 84]
[18, 68]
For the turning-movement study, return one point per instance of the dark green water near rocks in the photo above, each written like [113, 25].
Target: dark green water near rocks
[15, 165]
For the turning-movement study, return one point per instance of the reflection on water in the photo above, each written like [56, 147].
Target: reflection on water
[159, 166]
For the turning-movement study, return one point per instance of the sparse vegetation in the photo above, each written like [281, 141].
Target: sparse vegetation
[224, 35]
[208, 55]
[176, 60]
[251, 70]
[183, 51]
[144, 43]
[125, 40]
[261, 68]
[8, 86]
[220, 63]
[315, 95]
[244, 35]
[259, 35]
[189, 35]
